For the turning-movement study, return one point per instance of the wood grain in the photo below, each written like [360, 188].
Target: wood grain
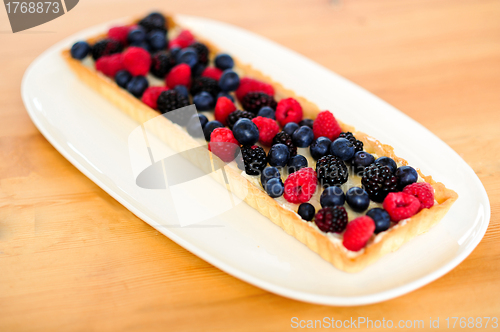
[73, 259]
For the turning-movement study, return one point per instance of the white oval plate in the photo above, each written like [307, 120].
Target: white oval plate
[92, 134]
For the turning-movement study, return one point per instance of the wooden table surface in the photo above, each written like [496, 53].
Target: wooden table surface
[73, 259]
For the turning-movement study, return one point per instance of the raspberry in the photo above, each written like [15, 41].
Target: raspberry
[171, 100]
[401, 205]
[332, 171]
[119, 33]
[223, 144]
[358, 145]
[179, 75]
[212, 72]
[326, 125]
[137, 61]
[358, 232]
[205, 84]
[254, 158]
[150, 96]
[288, 110]
[161, 64]
[223, 108]
[254, 101]
[109, 65]
[268, 128]
[106, 47]
[283, 138]
[423, 191]
[248, 84]
[331, 219]
[378, 181]
[184, 39]
[300, 186]
[236, 115]
[202, 51]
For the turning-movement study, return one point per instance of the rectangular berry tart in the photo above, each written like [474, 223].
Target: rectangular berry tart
[342, 193]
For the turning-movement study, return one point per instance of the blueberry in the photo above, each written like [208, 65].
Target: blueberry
[174, 51]
[224, 61]
[296, 163]
[342, 148]
[406, 175]
[303, 137]
[381, 218]
[268, 173]
[362, 159]
[154, 21]
[187, 55]
[203, 101]
[386, 161]
[157, 39]
[209, 127]
[122, 78]
[306, 122]
[80, 50]
[290, 128]
[358, 199]
[229, 80]
[143, 45]
[267, 112]
[320, 147]
[136, 35]
[246, 132]
[306, 211]
[278, 155]
[137, 85]
[332, 196]
[275, 187]
[225, 94]
[196, 124]
[197, 69]
[182, 90]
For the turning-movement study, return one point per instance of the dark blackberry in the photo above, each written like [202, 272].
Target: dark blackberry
[162, 63]
[106, 47]
[236, 115]
[254, 158]
[378, 181]
[254, 101]
[205, 84]
[202, 51]
[358, 145]
[283, 138]
[154, 21]
[332, 219]
[331, 171]
[171, 100]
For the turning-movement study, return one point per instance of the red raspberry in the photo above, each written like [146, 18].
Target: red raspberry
[223, 108]
[268, 128]
[184, 39]
[137, 61]
[119, 33]
[212, 72]
[223, 144]
[326, 125]
[150, 96]
[179, 75]
[300, 186]
[248, 84]
[109, 65]
[423, 191]
[401, 205]
[288, 110]
[358, 232]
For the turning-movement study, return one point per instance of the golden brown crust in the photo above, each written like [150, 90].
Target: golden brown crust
[332, 251]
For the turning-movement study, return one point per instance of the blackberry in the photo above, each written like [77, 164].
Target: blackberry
[202, 51]
[205, 84]
[254, 158]
[171, 100]
[106, 47]
[358, 145]
[236, 115]
[254, 101]
[283, 138]
[332, 171]
[332, 219]
[161, 64]
[378, 181]
[154, 21]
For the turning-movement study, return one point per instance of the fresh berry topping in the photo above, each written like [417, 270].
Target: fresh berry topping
[290, 128]
[196, 124]
[306, 211]
[278, 155]
[223, 144]
[209, 127]
[224, 61]
[423, 191]
[288, 110]
[137, 61]
[251, 85]
[268, 128]
[182, 90]
[342, 148]
[119, 33]
[157, 40]
[137, 85]
[202, 51]
[268, 173]
[184, 39]
[169, 101]
[106, 47]
[223, 108]
[320, 147]
[154, 21]
[229, 80]
[197, 70]
[326, 125]
[254, 158]
[358, 199]
[122, 78]
[161, 64]
[401, 205]
[303, 137]
[300, 186]
[150, 96]
[246, 132]
[188, 56]
[212, 72]
[284, 138]
[254, 101]
[362, 159]
[267, 112]
[80, 50]
[306, 122]
[205, 84]
[358, 145]
[137, 36]
[331, 171]
[331, 219]
[381, 218]
[358, 232]
[274, 187]
[204, 101]
[296, 163]
[236, 115]
[225, 94]
[386, 161]
[332, 196]
[179, 75]
[378, 181]
[406, 175]
[109, 65]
